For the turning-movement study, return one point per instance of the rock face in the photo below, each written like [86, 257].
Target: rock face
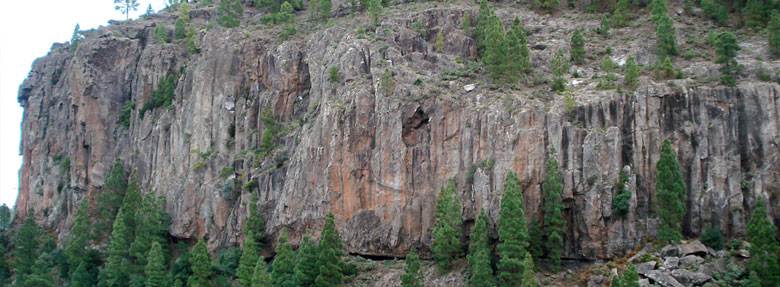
[375, 153]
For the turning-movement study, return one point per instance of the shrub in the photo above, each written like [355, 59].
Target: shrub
[334, 74]
[163, 96]
[161, 34]
[713, 238]
[621, 199]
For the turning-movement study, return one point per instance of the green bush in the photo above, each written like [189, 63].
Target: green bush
[621, 200]
[160, 34]
[333, 75]
[124, 116]
[163, 96]
[713, 238]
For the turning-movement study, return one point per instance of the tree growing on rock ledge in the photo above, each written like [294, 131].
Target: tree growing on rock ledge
[446, 228]
[412, 276]
[670, 195]
[479, 254]
[726, 51]
[329, 255]
[229, 13]
[764, 248]
[553, 207]
[512, 232]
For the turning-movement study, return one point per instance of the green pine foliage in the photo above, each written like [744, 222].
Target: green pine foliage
[483, 22]
[155, 269]
[200, 262]
[323, 9]
[620, 16]
[413, 276]
[726, 54]
[109, 200]
[160, 34]
[773, 31]
[535, 241]
[465, 22]
[75, 250]
[75, 39]
[130, 204]
[550, 5]
[40, 276]
[5, 217]
[152, 226]
[26, 243]
[756, 12]
[261, 278]
[246, 265]
[628, 277]
[81, 277]
[479, 254]
[553, 206]
[445, 247]
[670, 195]
[631, 74]
[179, 29]
[523, 61]
[559, 66]
[229, 13]
[306, 269]
[495, 48]
[184, 11]
[666, 44]
[162, 96]
[515, 62]
[764, 247]
[375, 10]
[439, 40]
[577, 48]
[529, 278]
[603, 29]
[126, 6]
[329, 255]
[115, 272]
[621, 199]
[254, 222]
[190, 40]
[512, 232]
[713, 238]
[283, 266]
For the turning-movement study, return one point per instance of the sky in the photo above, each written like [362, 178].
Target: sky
[28, 28]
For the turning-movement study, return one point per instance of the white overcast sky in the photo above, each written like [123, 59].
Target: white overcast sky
[28, 28]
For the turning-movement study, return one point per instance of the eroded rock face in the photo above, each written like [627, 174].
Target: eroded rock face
[374, 155]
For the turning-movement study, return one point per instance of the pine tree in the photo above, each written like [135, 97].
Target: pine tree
[229, 13]
[261, 278]
[115, 273]
[514, 63]
[755, 13]
[125, 6]
[201, 265]
[254, 220]
[130, 204]
[622, 197]
[483, 22]
[184, 11]
[180, 29]
[5, 217]
[329, 255]
[446, 228]
[152, 226]
[631, 77]
[40, 276]
[306, 269]
[726, 51]
[75, 39]
[670, 195]
[439, 41]
[577, 50]
[81, 277]
[246, 265]
[149, 10]
[547, 4]
[323, 9]
[495, 48]
[155, 269]
[109, 200]
[26, 246]
[620, 16]
[512, 232]
[190, 41]
[479, 254]
[559, 66]
[666, 44]
[375, 9]
[764, 247]
[283, 271]
[628, 277]
[529, 278]
[658, 10]
[465, 22]
[535, 239]
[413, 276]
[774, 36]
[79, 234]
[553, 206]
[603, 30]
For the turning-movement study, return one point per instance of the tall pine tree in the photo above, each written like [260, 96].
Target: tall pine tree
[764, 248]
[254, 221]
[229, 13]
[553, 206]
[200, 261]
[726, 51]
[81, 277]
[40, 276]
[670, 195]
[26, 246]
[246, 265]
[628, 277]
[329, 255]
[495, 48]
[115, 273]
[446, 228]
[261, 278]
[283, 272]
[529, 278]
[479, 254]
[577, 48]
[109, 200]
[155, 269]
[512, 232]
[413, 276]
[774, 36]
[79, 235]
[306, 269]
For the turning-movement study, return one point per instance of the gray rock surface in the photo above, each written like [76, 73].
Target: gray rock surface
[671, 262]
[645, 268]
[663, 279]
[689, 278]
[693, 248]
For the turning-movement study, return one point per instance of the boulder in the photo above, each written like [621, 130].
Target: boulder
[596, 280]
[742, 253]
[663, 279]
[644, 268]
[670, 250]
[671, 262]
[645, 282]
[691, 260]
[690, 278]
[469, 87]
[694, 247]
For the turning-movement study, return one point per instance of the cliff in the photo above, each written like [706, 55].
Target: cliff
[376, 145]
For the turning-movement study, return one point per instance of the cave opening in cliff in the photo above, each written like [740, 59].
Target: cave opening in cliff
[415, 128]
